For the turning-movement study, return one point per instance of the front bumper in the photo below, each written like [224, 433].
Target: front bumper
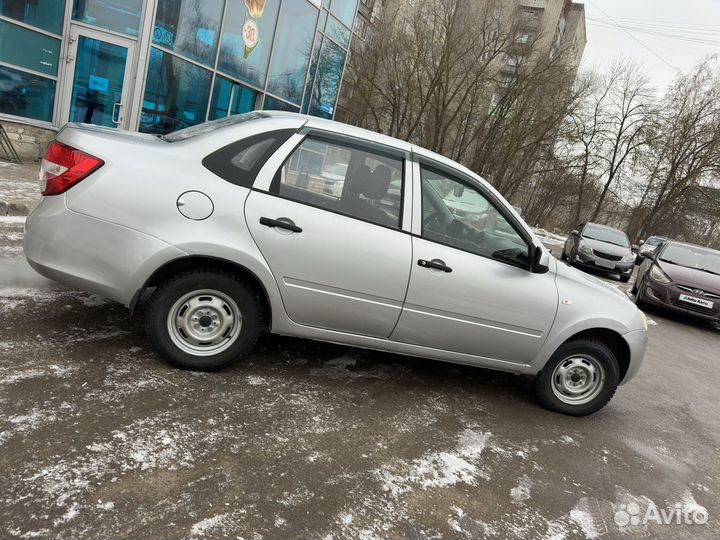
[604, 265]
[668, 297]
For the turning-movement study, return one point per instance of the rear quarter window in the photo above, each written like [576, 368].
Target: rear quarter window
[240, 162]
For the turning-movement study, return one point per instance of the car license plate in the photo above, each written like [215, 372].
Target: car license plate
[697, 301]
[605, 264]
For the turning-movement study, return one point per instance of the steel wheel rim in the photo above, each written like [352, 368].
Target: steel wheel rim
[204, 322]
[578, 379]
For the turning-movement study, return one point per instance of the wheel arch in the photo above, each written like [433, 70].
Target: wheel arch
[613, 340]
[214, 263]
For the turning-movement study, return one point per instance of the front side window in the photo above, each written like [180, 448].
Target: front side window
[357, 182]
[458, 215]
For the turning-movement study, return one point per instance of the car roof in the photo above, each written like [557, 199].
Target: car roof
[320, 124]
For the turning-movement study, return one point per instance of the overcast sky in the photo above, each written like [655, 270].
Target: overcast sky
[694, 20]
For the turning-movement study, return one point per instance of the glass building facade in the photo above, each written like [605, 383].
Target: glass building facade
[161, 65]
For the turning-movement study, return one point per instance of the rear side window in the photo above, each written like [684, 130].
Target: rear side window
[240, 162]
[346, 179]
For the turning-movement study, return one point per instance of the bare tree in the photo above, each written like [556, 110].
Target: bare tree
[685, 154]
[625, 122]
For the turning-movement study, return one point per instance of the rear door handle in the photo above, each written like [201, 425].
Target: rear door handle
[435, 264]
[280, 223]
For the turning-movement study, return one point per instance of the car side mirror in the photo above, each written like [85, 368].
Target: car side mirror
[575, 232]
[540, 260]
[642, 242]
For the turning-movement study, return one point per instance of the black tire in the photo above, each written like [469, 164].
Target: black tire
[625, 279]
[183, 284]
[637, 291]
[601, 354]
[563, 257]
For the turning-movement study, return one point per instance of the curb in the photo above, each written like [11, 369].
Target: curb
[13, 209]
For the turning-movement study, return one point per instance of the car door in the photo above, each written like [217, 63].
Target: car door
[329, 227]
[470, 289]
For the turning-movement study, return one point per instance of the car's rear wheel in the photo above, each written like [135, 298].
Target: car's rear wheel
[203, 320]
[579, 379]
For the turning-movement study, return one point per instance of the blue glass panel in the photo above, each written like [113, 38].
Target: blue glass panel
[22, 94]
[118, 15]
[327, 81]
[247, 39]
[28, 49]
[344, 10]
[337, 32]
[273, 104]
[98, 83]
[176, 94]
[230, 98]
[189, 27]
[311, 73]
[288, 68]
[45, 14]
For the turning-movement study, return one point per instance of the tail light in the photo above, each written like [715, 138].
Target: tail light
[64, 166]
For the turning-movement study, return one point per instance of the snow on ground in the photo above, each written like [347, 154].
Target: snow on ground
[12, 220]
[19, 191]
[549, 238]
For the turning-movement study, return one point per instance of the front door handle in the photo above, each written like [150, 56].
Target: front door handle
[435, 264]
[280, 223]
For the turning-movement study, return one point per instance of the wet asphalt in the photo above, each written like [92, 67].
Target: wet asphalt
[100, 439]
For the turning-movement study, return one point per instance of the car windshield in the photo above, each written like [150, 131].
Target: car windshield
[612, 236]
[707, 260]
[654, 241]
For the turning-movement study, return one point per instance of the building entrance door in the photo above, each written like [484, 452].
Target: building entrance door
[98, 89]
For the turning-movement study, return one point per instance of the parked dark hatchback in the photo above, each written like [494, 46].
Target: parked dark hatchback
[682, 277]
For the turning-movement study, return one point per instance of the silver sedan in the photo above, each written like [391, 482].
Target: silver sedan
[230, 228]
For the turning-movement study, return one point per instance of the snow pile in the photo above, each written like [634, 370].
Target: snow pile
[438, 469]
[550, 238]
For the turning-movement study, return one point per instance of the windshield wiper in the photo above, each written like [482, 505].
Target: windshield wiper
[670, 262]
[709, 271]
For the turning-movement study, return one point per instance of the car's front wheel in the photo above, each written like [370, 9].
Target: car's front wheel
[203, 320]
[579, 379]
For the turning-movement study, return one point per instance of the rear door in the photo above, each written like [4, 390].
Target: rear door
[471, 291]
[330, 228]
